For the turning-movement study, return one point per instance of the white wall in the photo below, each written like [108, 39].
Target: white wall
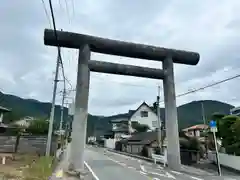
[109, 143]
[145, 120]
[1, 117]
[71, 108]
[226, 160]
[119, 135]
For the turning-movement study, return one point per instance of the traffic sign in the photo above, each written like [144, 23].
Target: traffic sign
[212, 124]
[213, 129]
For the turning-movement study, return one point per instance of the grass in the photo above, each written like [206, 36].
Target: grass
[41, 169]
[27, 167]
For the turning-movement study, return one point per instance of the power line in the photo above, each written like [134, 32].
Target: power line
[209, 85]
[69, 83]
[68, 15]
[60, 4]
[73, 8]
[46, 13]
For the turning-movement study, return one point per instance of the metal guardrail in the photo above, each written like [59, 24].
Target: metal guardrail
[136, 156]
[131, 155]
[159, 158]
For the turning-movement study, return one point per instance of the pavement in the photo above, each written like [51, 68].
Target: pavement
[106, 165]
[208, 166]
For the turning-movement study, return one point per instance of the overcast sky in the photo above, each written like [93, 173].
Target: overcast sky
[210, 27]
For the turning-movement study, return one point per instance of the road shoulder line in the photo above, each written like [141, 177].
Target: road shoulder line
[92, 172]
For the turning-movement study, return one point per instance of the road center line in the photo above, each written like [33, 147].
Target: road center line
[158, 174]
[196, 178]
[143, 173]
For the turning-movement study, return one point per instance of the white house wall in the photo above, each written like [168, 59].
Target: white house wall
[150, 120]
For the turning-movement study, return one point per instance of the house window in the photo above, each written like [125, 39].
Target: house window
[144, 113]
[154, 123]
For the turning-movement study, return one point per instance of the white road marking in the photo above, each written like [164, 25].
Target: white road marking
[130, 167]
[176, 172]
[163, 175]
[123, 164]
[142, 168]
[141, 172]
[170, 175]
[123, 155]
[196, 178]
[156, 179]
[90, 169]
[159, 167]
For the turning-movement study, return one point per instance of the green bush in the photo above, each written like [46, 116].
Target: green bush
[38, 127]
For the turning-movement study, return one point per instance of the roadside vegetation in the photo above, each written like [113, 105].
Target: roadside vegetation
[26, 167]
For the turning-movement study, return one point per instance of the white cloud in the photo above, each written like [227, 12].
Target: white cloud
[208, 27]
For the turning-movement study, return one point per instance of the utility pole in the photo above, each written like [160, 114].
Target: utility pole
[203, 114]
[50, 127]
[61, 120]
[204, 121]
[159, 121]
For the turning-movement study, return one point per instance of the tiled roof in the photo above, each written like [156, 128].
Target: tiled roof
[125, 116]
[196, 127]
[118, 116]
[4, 109]
[143, 138]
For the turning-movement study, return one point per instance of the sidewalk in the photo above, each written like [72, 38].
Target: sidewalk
[212, 168]
[59, 173]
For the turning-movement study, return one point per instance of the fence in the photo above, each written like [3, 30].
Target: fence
[226, 160]
[27, 144]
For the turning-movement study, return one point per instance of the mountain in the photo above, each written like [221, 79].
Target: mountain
[191, 113]
[188, 114]
[30, 107]
[27, 107]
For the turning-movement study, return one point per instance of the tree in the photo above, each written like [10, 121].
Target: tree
[140, 127]
[38, 126]
[229, 132]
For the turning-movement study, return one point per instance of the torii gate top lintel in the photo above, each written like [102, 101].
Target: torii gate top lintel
[119, 48]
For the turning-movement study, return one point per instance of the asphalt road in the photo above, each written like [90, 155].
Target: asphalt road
[108, 166]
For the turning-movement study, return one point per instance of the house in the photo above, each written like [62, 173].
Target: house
[140, 141]
[235, 111]
[122, 123]
[2, 111]
[24, 122]
[196, 130]
[146, 143]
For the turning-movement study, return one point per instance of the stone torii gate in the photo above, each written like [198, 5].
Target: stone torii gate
[86, 44]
